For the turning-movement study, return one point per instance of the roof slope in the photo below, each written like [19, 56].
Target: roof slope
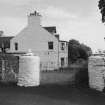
[51, 29]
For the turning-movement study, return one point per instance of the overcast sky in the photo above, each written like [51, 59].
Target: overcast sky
[75, 19]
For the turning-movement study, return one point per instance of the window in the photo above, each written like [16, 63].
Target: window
[50, 45]
[62, 62]
[62, 46]
[16, 46]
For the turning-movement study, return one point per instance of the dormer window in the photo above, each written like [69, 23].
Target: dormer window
[16, 46]
[50, 45]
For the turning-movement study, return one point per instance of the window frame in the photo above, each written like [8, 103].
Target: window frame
[62, 46]
[50, 45]
[16, 46]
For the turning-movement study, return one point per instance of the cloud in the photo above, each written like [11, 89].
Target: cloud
[17, 8]
[57, 13]
[16, 2]
[77, 19]
[11, 26]
[82, 7]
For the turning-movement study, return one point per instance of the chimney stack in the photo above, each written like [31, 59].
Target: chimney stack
[34, 18]
[57, 36]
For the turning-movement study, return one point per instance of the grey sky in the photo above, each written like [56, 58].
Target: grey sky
[79, 19]
[13, 7]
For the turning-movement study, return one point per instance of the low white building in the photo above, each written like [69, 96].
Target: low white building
[43, 41]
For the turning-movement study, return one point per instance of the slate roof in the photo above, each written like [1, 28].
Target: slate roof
[51, 29]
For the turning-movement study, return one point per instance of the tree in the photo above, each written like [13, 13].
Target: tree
[87, 49]
[101, 5]
[73, 53]
[77, 51]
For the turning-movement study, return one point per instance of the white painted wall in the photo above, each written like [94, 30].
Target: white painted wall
[36, 38]
[63, 54]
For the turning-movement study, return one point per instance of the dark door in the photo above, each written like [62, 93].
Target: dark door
[62, 62]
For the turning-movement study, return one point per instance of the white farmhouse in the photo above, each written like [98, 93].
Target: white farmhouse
[43, 41]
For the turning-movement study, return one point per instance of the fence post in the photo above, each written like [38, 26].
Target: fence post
[3, 69]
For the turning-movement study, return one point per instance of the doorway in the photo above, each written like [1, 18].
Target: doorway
[62, 62]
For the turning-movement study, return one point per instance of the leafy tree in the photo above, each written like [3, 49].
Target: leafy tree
[74, 42]
[101, 5]
[73, 53]
[87, 49]
[83, 53]
[77, 51]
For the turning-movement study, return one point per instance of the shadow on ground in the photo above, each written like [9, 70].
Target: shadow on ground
[50, 95]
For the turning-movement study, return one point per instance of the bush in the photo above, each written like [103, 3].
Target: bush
[81, 78]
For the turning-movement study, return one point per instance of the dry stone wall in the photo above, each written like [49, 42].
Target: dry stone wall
[96, 70]
[29, 71]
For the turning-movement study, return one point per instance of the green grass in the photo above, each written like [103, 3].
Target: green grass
[57, 77]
